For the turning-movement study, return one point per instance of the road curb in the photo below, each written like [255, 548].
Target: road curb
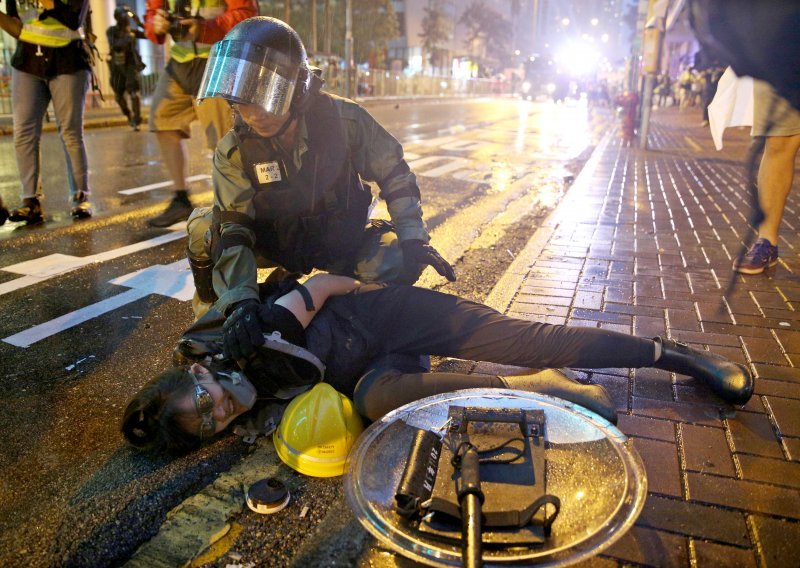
[509, 284]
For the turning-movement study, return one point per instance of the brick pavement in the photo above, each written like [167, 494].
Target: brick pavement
[643, 243]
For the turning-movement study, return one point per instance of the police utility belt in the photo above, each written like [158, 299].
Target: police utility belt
[508, 477]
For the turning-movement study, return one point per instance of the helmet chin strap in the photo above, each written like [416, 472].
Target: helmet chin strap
[282, 129]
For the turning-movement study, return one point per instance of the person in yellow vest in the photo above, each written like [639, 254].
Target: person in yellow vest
[194, 26]
[50, 64]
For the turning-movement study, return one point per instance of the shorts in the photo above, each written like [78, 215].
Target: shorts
[772, 114]
[172, 108]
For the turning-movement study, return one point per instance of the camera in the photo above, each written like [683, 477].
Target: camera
[183, 10]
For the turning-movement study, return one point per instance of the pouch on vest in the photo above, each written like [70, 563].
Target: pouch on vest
[512, 471]
[309, 218]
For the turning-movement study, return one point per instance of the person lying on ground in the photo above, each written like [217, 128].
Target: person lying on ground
[369, 339]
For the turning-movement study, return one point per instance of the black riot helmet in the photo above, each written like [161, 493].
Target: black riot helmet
[260, 61]
[122, 14]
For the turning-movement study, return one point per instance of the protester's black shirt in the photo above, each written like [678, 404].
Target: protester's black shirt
[282, 320]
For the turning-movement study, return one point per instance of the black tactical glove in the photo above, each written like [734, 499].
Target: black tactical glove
[418, 252]
[242, 333]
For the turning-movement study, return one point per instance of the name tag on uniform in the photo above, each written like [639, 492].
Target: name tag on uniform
[268, 172]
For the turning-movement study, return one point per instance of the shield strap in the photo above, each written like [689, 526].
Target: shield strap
[512, 474]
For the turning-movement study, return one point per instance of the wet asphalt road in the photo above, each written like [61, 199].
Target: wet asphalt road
[72, 494]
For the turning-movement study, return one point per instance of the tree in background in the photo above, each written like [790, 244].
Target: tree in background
[488, 29]
[436, 28]
[374, 24]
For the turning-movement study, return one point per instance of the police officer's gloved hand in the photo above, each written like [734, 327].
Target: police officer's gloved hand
[242, 333]
[419, 252]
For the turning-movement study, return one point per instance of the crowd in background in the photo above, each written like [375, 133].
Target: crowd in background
[691, 88]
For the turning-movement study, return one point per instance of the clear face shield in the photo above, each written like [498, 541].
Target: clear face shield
[244, 73]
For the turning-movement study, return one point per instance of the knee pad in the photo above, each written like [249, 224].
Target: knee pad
[198, 226]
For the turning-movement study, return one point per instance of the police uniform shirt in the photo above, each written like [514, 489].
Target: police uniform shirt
[375, 155]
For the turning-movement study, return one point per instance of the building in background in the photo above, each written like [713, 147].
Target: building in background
[579, 33]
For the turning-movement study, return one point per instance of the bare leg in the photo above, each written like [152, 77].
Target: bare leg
[173, 150]
[775, 177]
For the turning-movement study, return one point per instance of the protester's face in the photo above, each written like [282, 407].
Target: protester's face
[264, 123]
[224, 411]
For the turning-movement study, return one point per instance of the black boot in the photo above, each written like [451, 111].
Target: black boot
[553, 382]
[81, 208]
[179, 209]
[731, 381]
[30, 211]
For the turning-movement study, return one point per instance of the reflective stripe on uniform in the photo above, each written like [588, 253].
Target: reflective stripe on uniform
[49, 33]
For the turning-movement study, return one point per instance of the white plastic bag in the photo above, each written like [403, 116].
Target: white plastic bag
[732, 105]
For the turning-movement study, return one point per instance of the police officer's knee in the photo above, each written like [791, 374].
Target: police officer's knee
[197, 227]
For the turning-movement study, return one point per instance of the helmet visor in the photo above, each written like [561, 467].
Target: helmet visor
[245, 73]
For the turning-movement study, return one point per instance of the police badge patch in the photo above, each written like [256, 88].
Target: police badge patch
[268, 172]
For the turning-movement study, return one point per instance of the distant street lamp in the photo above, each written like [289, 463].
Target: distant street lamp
[564, 21]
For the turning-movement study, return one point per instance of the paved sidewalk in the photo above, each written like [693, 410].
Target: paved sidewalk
[643, 243]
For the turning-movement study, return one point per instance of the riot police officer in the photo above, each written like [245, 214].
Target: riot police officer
[126, 64]
[287, 178]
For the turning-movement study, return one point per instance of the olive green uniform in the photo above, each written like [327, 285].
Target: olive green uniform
[373, 153]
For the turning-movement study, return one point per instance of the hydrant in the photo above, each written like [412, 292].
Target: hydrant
[627, 103]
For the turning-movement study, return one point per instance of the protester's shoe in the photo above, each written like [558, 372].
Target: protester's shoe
[731, 381]
[553, 382]
[81, 208]
[179, 209]
[3, 213]
[30, 211]
[134, 124]
[758, 257]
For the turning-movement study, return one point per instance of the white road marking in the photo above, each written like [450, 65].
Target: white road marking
[462, 145]
[40, 269]
[37, 333]
[436, 142]
[455, 164]
[173, 280]
[159, 185]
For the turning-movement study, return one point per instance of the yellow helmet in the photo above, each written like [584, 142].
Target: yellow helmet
[317, 431]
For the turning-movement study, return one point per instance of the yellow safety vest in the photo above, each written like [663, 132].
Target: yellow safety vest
[183, 51]
[48, 32]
